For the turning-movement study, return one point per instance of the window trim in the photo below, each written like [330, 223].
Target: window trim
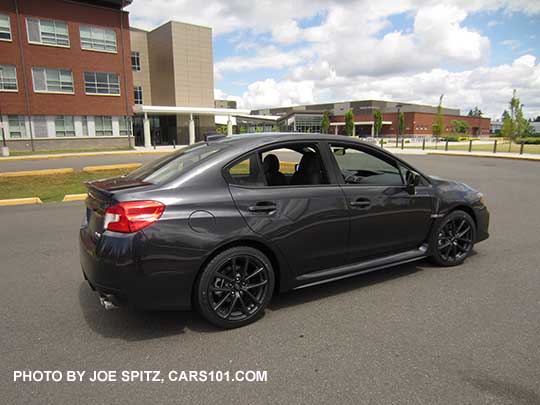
[9, 26]
[56, 117]
[20, 118]
[135, 87]
[42, 43]
[279, 145]
[47, 91]
[96, 128]
[139, 60]
[16, 81]
[98, 50]
[103, 94]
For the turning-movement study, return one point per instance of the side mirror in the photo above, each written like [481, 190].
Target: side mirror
[412, 179]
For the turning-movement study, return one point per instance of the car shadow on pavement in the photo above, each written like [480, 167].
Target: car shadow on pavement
[136, 325]
[322, 291]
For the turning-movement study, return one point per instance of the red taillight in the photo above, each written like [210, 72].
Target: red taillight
[132, 216]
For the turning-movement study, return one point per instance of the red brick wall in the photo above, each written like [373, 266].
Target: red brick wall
[74, 58]
[417, 124]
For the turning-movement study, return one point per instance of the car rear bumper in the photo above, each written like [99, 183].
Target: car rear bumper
[115, 272]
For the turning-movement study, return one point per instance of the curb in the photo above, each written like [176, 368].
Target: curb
[20, 201]
[90, 169]
[532, 159]
[45, 172]
[74, 197]
[71, 155]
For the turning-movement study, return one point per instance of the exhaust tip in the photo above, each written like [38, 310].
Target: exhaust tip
[107, 302]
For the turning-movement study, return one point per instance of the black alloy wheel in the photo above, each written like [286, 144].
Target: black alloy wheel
[235, 287]
[454, 239]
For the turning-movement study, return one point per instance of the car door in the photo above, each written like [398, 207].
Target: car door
[385, 216]
[308, 223]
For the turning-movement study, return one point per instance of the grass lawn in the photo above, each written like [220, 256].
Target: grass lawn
[51, 188]
[55, 152]
[501, 147]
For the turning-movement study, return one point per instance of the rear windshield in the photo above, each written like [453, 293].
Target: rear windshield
[169, 167]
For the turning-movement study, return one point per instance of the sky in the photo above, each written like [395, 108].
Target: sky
[281, 53]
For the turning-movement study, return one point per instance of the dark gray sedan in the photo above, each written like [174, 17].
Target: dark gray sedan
[224, 224]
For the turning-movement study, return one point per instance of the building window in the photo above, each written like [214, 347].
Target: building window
[101, 83]
[125, 125]
[8, 78]
[135, 61]
[103, 125]
[84, 122]
[64, 125]
[47, 32]
[98, 39]
[137, 93]
[17, 126]
[5, 28]
[52, 80]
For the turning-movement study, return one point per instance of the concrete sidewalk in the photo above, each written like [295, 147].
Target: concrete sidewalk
[500, 155]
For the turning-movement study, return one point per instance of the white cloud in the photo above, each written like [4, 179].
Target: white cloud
[513, 44]
[488, 87]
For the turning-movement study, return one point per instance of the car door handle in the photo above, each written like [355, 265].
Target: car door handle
[263, 206]
[360, 203]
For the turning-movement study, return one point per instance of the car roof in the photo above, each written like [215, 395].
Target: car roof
[263, 138]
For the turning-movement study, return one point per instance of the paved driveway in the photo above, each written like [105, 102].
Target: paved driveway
[415, 333]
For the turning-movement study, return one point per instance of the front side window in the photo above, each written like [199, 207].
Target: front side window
[52, 80]
[135, 61]
[5, 28]
[125, 125]
[17, 126]
[103, 125]
[137, 94]
[101, 83]
[98, 39]
[47, 32]
[64, 125]
[8, 78]
[362, 168]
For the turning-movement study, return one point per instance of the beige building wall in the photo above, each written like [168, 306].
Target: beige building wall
[161, 65]
[193, 65]
[139, 43]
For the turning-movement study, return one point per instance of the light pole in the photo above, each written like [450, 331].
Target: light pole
[398, 106]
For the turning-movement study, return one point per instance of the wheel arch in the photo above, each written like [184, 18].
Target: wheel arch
[466, 209]
[277, 264]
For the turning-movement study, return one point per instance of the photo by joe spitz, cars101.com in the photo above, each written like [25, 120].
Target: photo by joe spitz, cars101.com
[223, 225]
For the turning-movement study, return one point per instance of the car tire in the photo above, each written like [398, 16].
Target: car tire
[452, 239]
[235, 287]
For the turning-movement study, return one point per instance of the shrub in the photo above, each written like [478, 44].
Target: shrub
[529, 140]
[450, 138]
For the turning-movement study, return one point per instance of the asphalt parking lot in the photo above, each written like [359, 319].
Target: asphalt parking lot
[415, 333]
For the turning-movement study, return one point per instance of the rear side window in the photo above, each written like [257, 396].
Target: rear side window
[170, 167]
[246, 172]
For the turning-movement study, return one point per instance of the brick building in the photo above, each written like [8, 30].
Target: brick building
[418, 118]
[65, 74]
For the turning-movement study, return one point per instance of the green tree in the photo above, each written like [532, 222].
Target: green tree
[460, 127]
[507, 130]
[401, 123]
[438, 123]
[377, 122]
[243, 130]
[475, 112]
[325, 122]
[349, 123]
